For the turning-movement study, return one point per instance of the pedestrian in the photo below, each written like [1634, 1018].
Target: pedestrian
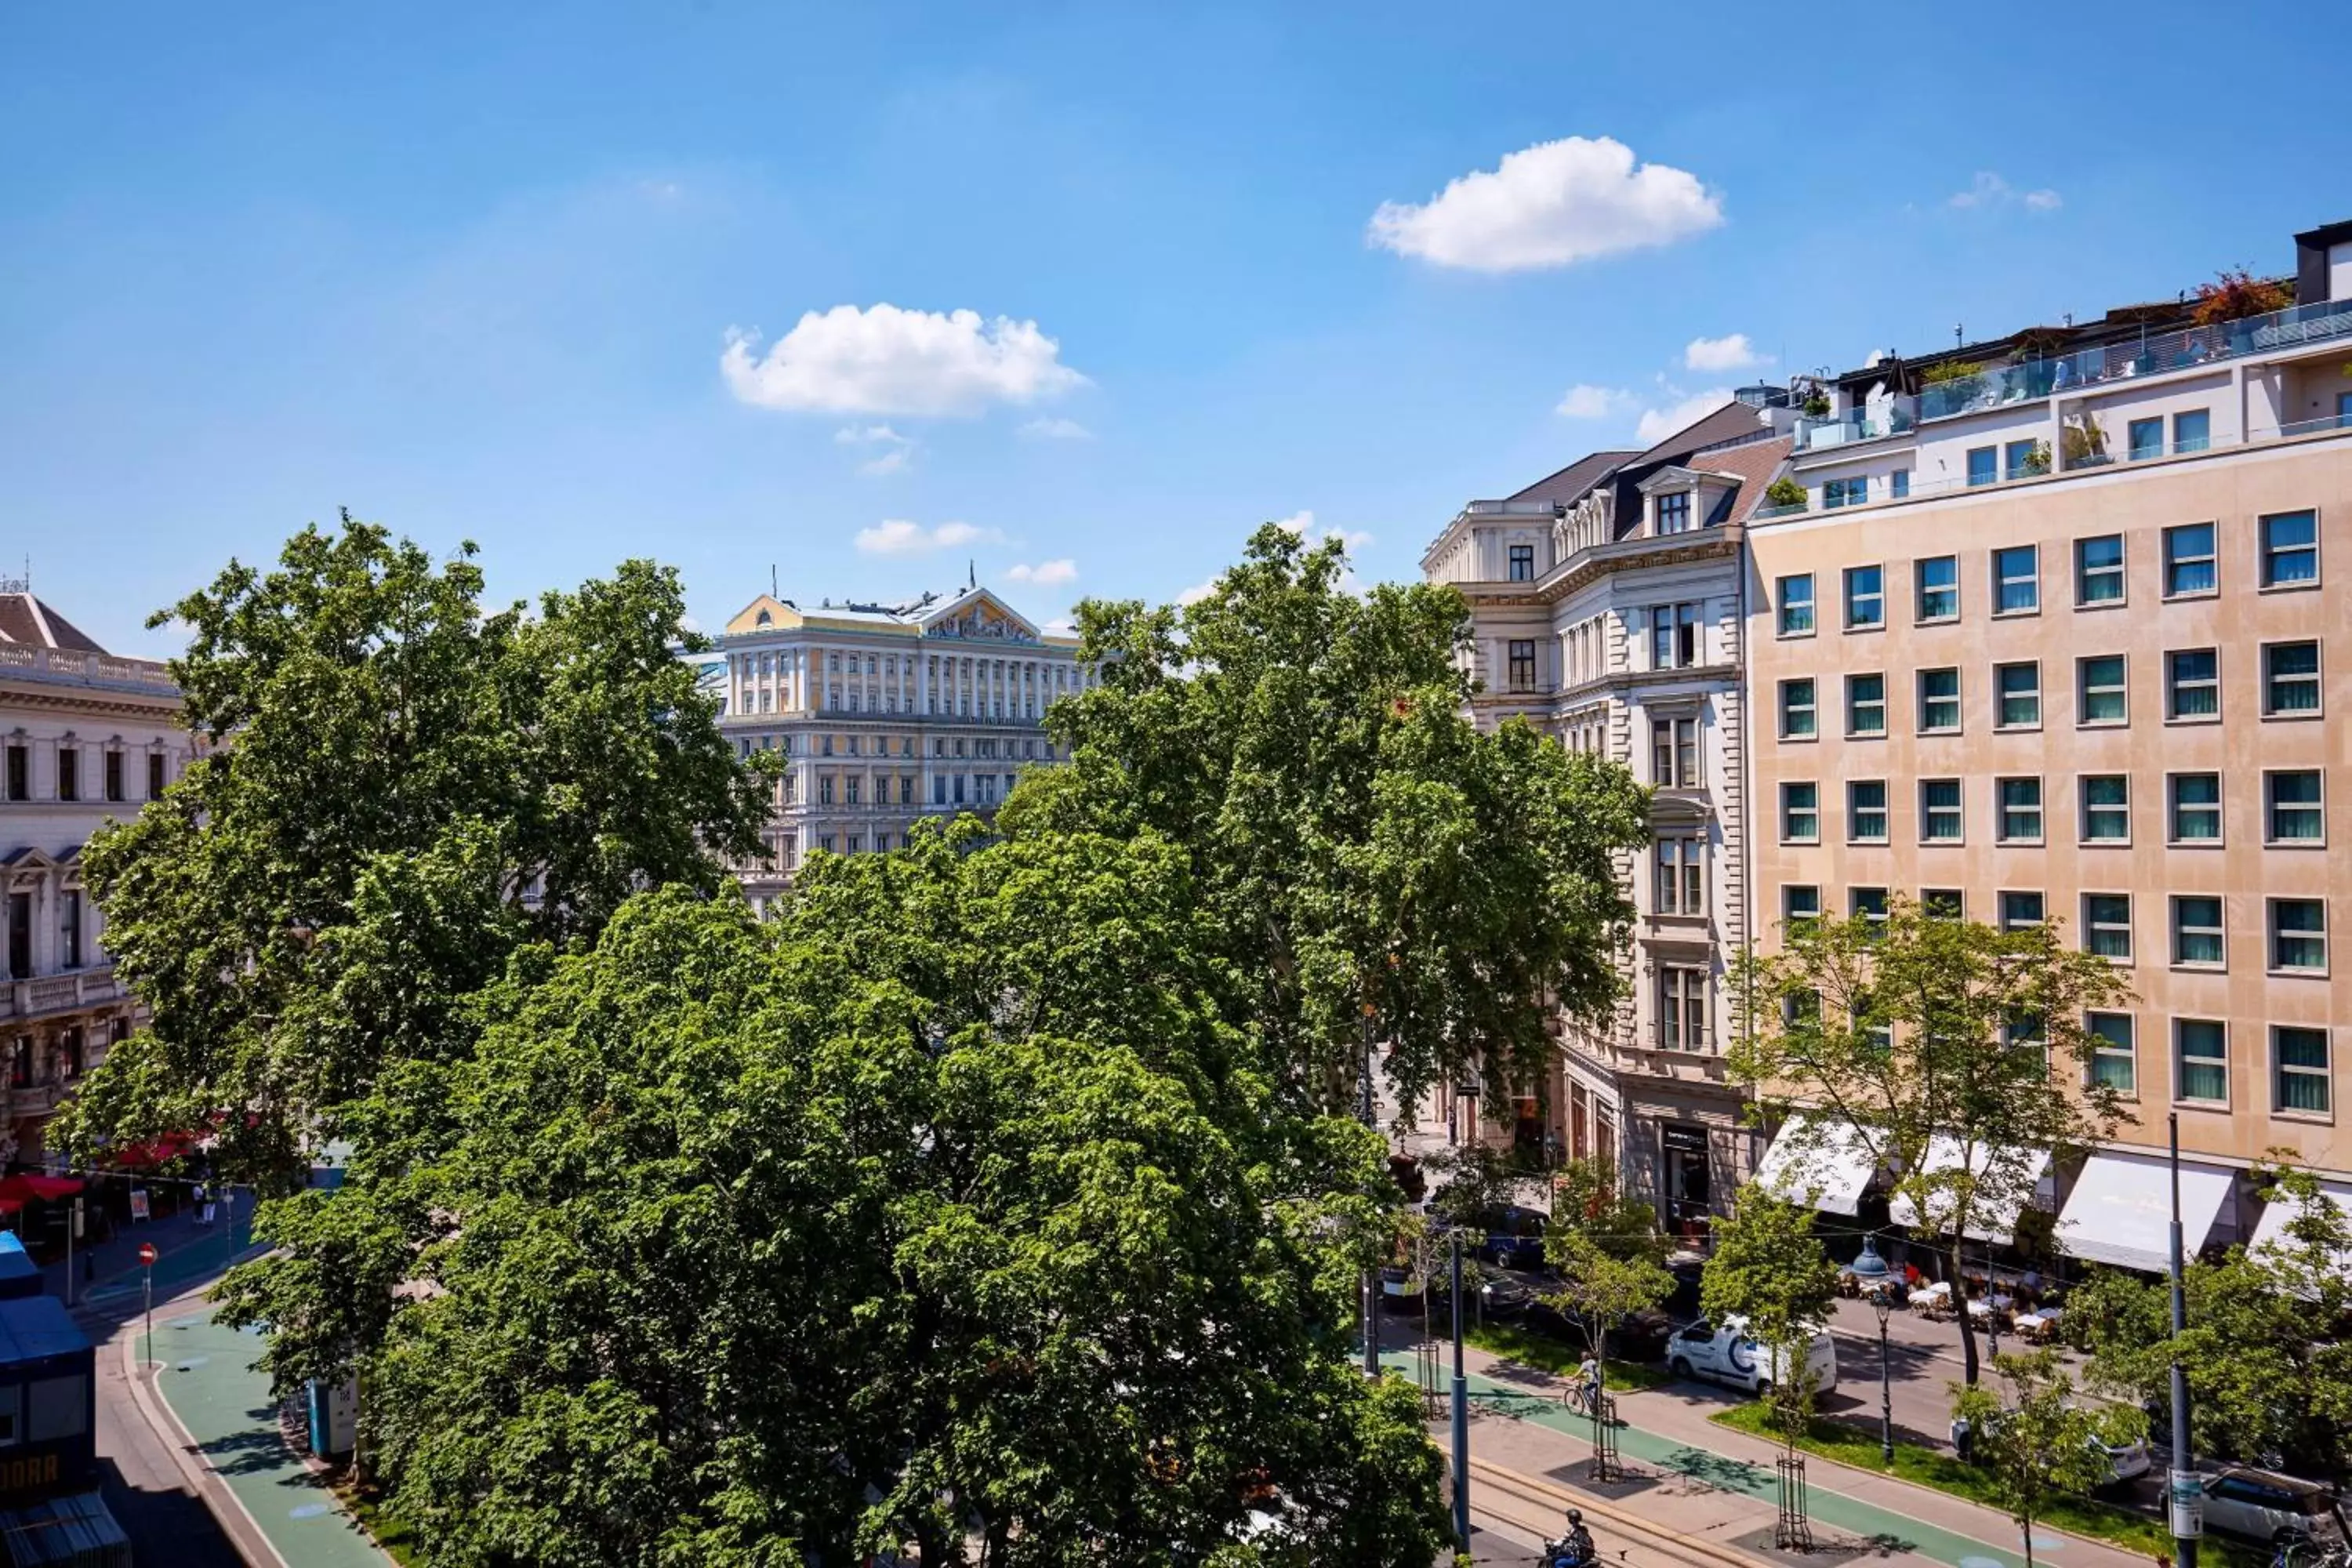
[1963, 1439]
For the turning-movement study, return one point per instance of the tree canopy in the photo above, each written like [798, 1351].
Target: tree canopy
[1960, 1054]
[2038, 1444]
[1768, 1268]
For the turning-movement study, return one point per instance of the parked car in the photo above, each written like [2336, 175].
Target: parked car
[2270, 1508]
[1515, 1238]
[2126, 1461]
[1725, 1354]
[1503, 1299]
[1400, 1288]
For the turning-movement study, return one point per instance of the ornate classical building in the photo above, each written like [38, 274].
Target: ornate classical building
[84, 736]
[1608, 609]
[887, 714]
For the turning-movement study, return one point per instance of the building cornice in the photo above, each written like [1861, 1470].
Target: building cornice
[1591, 564]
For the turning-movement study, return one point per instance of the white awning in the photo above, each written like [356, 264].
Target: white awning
[1821, 1161]
[2273, 1226]
[1996, 1214]
[2121, 1210]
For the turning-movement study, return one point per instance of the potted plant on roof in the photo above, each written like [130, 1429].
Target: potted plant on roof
[1785, 492]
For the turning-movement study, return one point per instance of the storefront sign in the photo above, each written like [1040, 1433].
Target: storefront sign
[1684, 1139]
[138, 1203]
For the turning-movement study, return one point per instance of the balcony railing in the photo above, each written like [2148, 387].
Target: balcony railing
[1840, 430]
[19, 658]
[48, 994]
[2155, 356]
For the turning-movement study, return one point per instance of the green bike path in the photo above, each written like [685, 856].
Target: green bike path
[1883, 1527]
[208, 1380]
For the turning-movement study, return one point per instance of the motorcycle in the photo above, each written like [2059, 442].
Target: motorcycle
[1569, 1552]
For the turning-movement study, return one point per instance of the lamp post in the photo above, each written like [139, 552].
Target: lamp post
[1870, 1272]
[1460, 1402]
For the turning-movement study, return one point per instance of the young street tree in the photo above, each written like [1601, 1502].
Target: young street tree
[2039, 1446]
[1958, 1054]
[1768, 1268]
[1376, 865]
[1611, 1256]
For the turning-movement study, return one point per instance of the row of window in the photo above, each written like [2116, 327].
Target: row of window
[113, 767]
[899, 745]
[2295, 929]
[2286, 556]
[2294, 810]
[2289, 686]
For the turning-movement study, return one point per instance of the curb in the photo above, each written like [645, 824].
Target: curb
[240, 1525]
[1530, 1490]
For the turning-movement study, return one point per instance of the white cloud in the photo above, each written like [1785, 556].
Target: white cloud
[1197, 591]
[1301, 523]
[1657, 424]
[1988, 190]
[1046, 574]
[1057, 431]
[1734, 353]
[1060, 627]
[1586, 402]
[1550, 205]
[889, 361]
[896, 452]
[896, 536]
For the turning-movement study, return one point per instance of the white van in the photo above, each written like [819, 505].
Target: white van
[1727, 1354]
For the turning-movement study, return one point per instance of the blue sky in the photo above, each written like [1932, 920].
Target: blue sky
[472, 271]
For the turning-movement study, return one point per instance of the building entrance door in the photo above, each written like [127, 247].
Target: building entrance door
[1689, 1190]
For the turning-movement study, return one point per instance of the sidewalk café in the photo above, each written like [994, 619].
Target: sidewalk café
[38, 1205]
[2021, 1255]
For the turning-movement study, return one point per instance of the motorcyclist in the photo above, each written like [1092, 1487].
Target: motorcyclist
[1574, 1549]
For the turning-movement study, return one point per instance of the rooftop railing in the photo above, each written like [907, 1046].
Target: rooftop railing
[1839, 430]
[21, 659]
[2152, 355]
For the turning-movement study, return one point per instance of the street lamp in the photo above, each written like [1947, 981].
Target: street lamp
[1870, 1272]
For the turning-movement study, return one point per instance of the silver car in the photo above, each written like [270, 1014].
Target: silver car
[2265, 1506]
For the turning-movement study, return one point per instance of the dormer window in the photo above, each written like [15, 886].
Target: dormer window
[1523, 562]
[1674, 512]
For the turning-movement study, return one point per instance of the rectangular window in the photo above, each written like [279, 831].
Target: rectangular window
[1866, 705]
[1984, 465]
[69, 928]
[2019, 912]
[2300, 1059]
[2290, 545]
[2017, 580]
[1865, 810]
[2192, 430]
[154, 775]
[1523, 562]
[114, 776]
[1682, 1008]
[1836, 493]
[2202, 1048]
[2290, 678]
[2100, 697]
[2106, 808]
[2189, 566]
[2023, 460]
[2107, 925]
[1866, 597]
[2195, 808]
[2192, 684]
[1800, 813]
[2020, 811]
[2292, 807]
[1797, 709]
[1673, 753]
[2199, 938]
[20, 936]
[1674, 512]
[1898, 483]
[2146, 439]
[1867, 904]
[20, 773]
[1680, 885]
[2114, 1062]
[1943, 903]
[1801, 905]
[1939, 811]
[1797, 605]
[1939, 702]
[2099, 570]
[1936, 585]
[2299, 935]
[69, 772]
[1523, 664]
[2018, 688]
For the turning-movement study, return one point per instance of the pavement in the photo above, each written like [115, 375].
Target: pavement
[1705, 1493]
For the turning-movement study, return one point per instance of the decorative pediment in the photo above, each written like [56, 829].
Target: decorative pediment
[764, 613]
[977, 615]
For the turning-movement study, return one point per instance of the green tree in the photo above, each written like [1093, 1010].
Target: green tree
[944, 1207]
[1374, 866]
[2268, 1372]
[1958, 1053]
[1609, 1253]
[393, 791]
[2039, 1446]
[1768, 1268]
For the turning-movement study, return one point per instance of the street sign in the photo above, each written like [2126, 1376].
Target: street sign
[147, 1254]
[2186, 1493]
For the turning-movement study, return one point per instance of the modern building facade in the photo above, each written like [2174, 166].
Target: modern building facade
[84, 737]
[2059, 634]
[1607, 609]
[887, 714]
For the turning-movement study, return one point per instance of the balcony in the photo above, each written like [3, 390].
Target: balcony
[2157, 355]
[1815, 435]
[53, 993]
[19, 660]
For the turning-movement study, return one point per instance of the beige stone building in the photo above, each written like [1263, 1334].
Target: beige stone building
[84, 736]
[885, 714]
[2060, 634]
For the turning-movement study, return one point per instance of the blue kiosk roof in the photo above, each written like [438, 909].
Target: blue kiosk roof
[35, 1328]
